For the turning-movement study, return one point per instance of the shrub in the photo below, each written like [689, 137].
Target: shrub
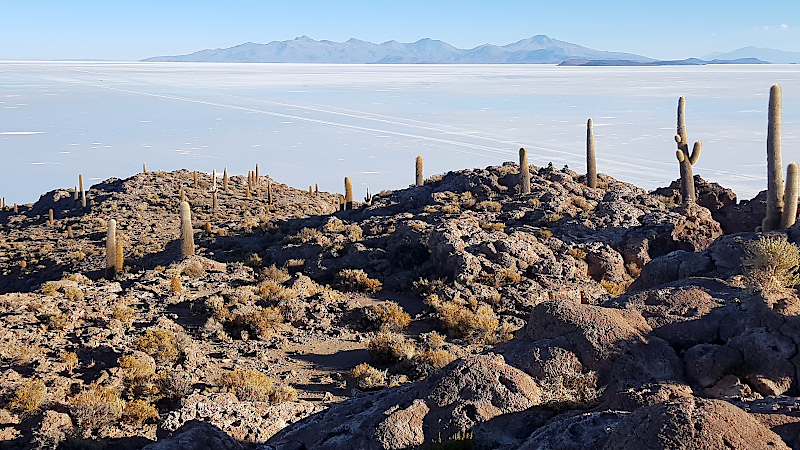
[28, 397]
[254, 386]
[544, 233]
[357, 280]
[58, 321]
[577, 253]
[489, 205]
[261, 322]
[123, 313]
[434, 340]
[49, 290]
[194, 270]
[771, 264]
[161, 344]
[489, 226]
[96, 407]
[504, 277]
[390, 347]
[615, 289]
[303, 236]
[273, 273]
[478, 324]
[550, 218]
[392, 317]
[368, 377]
[459, 441]
[436, 358]
[70, 361]
[570, 389]
[273, 291]
[137, 411]
[175, 285]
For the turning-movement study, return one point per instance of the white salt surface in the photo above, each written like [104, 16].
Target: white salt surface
[308, 124]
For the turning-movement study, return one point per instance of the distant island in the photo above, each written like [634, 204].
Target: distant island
[538, 49]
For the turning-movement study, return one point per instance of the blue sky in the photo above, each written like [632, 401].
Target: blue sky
[133, 30]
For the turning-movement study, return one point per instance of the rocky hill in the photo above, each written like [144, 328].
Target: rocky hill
[455, 314]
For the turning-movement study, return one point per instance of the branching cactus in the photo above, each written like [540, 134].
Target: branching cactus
[591, 161]
[789, 216]
[420, 181]
[686, 159]
[525, 172]
[111, 249]
[775, 188]
[348, 194]
[187, 234]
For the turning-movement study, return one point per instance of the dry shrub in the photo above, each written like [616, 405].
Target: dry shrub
[173, 384]
[161, 344]
[294, 265]
[570, 389]
[392, 317]
[175, 285]
[489, 226]
[544, 233]
[96, 407]
[535, 202]
[451, 209]
[368, 377]
[433, 340]
[333, 225]
[357, 280]
[390, 347]
[261, 321]
[213, 330]
[134, 368]
[771, 264]
[70, 360]
[615, 289]
[577, 253]
[305, 235]
[253, 260]
[28, 397]
[273, 273]
[507, 276]
[634, 270]
[24, 353]
[250, 385]
[430, 209]
[123, 313]
[137, 411]
[58, 321]
[550, 218]
[74, 294]
[436, 358]
[489, 205]
[476, 324]
[273, 291]
[50, 290]
[194, 270]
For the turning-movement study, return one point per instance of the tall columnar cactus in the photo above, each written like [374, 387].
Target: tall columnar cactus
[686, 159]
[257, 175]
[269, 191]
[83, 192]
[75, 196]
[789, 216]
[111, 249]
[591, 161]
[195, 180]
[525, 172]
[225, 180]
[50, 221]
[144, 167]
[420, 180]
[187, 234]
[214, 201]
[348, 194]
[214, 180]
[119, 253]
[774, 164]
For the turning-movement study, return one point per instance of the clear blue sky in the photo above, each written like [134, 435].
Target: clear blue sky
[133, 30]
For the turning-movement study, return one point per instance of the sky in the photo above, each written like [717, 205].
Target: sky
[128, 30]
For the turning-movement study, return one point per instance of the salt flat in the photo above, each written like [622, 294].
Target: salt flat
[308, 124]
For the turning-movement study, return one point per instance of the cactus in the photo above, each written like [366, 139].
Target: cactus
[310, 191]
[525, 172]
[16, 208]
[774, 164]
[249, 181]
[269, 191]
[119, 253]
[83, 192]
[75, 196]
[420, 180]
[214, 201]
[368, 198]
[111, 249]
[194, 175]
[685, 159]
[144, 167]
[182, 195]
[214, 180]
[316, 189]
[187, 234]
[50, 221]
[70, 234]
[256, 175]
[789, 215]
[225, 180]
[591, 161]
[348, 194]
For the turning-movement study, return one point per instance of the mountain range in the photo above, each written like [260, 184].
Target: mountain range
[539, 49]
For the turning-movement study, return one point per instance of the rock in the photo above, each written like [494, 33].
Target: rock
[706, 364]
[403, 428]
[196, 435]
[730, 387]
[692, 424]
[578, 432]
[55, 428]
[766, 354]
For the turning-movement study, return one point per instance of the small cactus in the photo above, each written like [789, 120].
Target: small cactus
[111, 249]
[789, 215]
[348, 194]
[187, 234]
[50, 221]
[774, 165]
[525, 172]
[420, 180]
[591, 161]
[685, 159]
[70, 234]
[75, 194]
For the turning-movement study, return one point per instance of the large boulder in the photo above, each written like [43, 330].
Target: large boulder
[578, 432]
[692, 424]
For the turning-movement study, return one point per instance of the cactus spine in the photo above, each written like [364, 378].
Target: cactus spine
[225, 180]
[591, 161]
[774, 164]
[525, 172]
[348, 194]
[789, 216]
[111, 249]
[685, 159]
[83, 192]
[187, 234]
[420, 180]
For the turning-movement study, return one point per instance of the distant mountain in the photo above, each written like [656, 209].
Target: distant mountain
[681, 62]
[536, 50]
[764, 54]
